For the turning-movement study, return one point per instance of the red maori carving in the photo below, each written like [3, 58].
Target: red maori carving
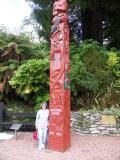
[56, 99]
[59, 128]
[60, 6]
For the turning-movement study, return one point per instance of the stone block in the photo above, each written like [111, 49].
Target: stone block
[95, 132]
[104, 132]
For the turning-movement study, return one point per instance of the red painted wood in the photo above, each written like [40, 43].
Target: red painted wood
[59, 122]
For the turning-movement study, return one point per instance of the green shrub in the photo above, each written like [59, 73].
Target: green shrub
[93, 71]
[31, 80]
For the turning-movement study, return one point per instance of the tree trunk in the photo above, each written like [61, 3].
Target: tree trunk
[92, 22]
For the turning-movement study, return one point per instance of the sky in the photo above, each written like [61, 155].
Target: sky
[12, 13]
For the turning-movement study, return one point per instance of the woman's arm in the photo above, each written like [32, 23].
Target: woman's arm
[37, 119]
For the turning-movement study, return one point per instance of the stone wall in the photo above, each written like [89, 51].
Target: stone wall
[91, 123]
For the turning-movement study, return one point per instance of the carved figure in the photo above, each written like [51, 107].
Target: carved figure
[59, 121]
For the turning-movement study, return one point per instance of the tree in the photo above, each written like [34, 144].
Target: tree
[14, 50]
[42, 13]
[112, 23]
[99, 20]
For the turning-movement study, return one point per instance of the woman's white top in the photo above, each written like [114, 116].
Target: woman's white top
[42, 118]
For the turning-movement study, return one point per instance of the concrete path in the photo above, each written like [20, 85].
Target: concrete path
[83, 148]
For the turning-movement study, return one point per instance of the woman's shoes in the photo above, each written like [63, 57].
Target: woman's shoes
[41, 147]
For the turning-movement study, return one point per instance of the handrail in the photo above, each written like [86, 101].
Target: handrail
[20, 115]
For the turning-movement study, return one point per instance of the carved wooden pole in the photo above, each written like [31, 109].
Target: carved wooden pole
[59, 122]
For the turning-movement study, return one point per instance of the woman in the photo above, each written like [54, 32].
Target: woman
[42, 125]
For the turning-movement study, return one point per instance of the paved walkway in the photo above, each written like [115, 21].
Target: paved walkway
[83, 148]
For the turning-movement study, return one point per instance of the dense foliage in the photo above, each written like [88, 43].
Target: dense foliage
[95, 76]
[31, 81]
[99, 19]
[95, 61]
[42, 14]
[14, 51]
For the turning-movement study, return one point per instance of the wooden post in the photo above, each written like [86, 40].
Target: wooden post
[1, 115]
[59, 121]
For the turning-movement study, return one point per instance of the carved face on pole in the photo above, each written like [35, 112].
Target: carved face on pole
[59, 6]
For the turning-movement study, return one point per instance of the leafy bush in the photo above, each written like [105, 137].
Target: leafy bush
[41, 99]
[93, 71]
[14, 50]
[31, 80]
[113, 64]
[112, 111]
